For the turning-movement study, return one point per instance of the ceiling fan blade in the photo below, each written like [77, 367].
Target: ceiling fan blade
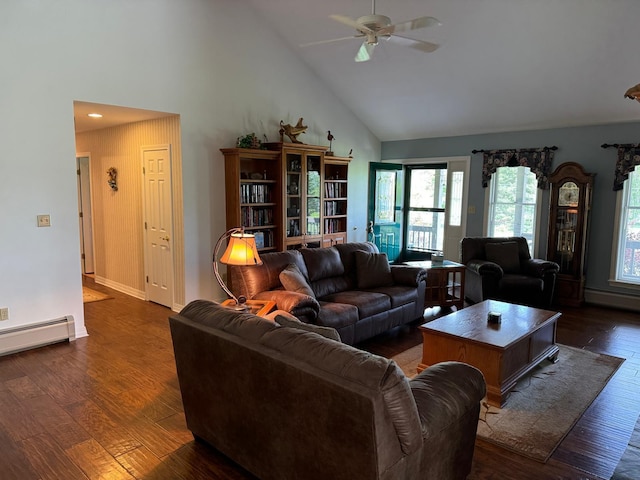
[414, 24]
[320, 42]
[413, 43]
[365, 52]
[352, 23]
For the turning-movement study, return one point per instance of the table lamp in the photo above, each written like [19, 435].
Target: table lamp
[241, 250]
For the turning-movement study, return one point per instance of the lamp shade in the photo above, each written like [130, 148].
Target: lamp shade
[241, 250]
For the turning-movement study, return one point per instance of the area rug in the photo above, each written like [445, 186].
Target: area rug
[91, 295]
[543, 406]
[629, 466]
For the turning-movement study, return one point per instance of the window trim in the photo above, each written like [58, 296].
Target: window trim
[615, 246]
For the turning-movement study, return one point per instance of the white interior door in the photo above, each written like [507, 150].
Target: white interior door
[456, 210]
[84, 215]
[158, 224]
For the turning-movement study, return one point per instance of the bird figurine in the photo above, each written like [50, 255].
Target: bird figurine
[633, 93]
[330, 138]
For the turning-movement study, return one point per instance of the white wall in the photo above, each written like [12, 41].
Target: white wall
[213, 62]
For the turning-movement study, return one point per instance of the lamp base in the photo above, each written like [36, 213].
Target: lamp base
[239, 307]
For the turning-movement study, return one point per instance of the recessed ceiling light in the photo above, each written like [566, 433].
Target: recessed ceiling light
[94, 115]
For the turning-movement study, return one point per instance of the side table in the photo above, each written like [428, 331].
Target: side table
[257, 307]
[445, 283]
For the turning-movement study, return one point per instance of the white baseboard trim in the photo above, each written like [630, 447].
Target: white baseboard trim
[612, 300]
[140, 294]
[176, 307]
[37, 335]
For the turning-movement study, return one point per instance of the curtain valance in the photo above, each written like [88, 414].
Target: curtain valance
[537, 159]
[628, 158]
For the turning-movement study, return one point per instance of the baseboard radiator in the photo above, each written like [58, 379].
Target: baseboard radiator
[37, 335]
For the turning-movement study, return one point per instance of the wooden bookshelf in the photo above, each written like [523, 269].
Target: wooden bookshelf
[253, 180]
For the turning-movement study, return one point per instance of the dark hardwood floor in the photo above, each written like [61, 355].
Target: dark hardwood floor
[108, 405]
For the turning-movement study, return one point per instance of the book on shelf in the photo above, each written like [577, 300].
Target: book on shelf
[259, 237]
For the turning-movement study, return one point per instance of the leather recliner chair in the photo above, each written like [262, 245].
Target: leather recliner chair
[502, 269]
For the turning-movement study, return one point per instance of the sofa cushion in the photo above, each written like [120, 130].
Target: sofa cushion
[285, 319]
[377, 378]
[372, 269]
[293, 280]
[521, 283]
[399, 294]
[348, 260]
[242, 324]
[337, 315]
[252, 279]
[368, 303]
[505, 254]
[322, 263]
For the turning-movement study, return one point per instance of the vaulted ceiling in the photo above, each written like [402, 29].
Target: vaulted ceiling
[503, 65]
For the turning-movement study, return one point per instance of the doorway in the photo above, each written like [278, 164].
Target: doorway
[418, 207]
[85, 218]
[119, 211]
[158, 224]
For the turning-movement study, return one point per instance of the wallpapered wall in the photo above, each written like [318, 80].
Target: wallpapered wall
[118, 215]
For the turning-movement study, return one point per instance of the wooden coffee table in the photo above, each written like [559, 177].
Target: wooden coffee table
[503, 352]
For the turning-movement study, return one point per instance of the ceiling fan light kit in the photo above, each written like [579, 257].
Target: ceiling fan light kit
[372, 27]
[633, 93]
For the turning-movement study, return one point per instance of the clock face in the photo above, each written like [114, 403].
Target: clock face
[568, 195]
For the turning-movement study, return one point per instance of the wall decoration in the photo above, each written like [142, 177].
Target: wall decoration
[113, 178]
[292, 131]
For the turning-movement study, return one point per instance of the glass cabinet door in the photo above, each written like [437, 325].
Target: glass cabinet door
[313, 195]
[293, 195]
[566, 224]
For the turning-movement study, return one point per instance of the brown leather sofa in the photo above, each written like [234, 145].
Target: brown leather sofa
[501, 268]
[350, 287]
[286, 403]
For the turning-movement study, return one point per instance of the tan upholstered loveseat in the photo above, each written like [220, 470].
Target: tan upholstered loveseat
[286, 403]
[350, 287]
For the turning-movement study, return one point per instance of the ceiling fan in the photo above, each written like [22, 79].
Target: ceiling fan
[374, 27]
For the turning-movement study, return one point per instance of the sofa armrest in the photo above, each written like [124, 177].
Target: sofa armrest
[445, 392]
[485, 267]
[537, 267]
[406, 275]
[297, 304]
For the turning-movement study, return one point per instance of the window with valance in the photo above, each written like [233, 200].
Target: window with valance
[628, 158]
[539, 160]
[625, 262]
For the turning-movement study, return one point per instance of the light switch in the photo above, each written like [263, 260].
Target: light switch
[44, 220]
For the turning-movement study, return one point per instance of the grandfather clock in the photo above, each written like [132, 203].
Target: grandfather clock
[570, 205]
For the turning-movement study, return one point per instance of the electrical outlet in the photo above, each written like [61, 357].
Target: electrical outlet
[44, 220]
[4, 313]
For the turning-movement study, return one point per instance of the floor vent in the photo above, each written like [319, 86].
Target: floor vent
[37, 335]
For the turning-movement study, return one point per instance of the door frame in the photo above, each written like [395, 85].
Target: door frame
[86, 155]
[463, 163]
[145, 213]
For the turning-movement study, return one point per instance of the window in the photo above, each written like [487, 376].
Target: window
[627, 260]
[426, 200]
[513, 204]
